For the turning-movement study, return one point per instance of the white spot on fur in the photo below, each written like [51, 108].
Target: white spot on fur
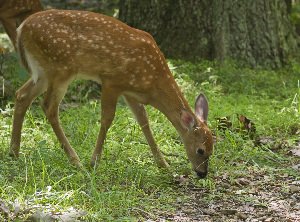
[35, 68]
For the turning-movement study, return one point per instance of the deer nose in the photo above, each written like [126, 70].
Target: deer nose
[201, 175]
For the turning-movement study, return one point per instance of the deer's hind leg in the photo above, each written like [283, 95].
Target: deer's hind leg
[24, 97]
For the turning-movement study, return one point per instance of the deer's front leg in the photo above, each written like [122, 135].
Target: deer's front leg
[10, 28]
[109, 98]
[24, 97]
[142, 119]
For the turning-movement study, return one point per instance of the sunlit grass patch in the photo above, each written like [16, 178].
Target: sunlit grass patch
[127, 185]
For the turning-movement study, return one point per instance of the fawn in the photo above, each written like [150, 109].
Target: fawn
[58, 46]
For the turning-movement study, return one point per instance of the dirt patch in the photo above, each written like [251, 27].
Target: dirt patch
[256, 197]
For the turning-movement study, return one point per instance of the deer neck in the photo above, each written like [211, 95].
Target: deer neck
[171, 102]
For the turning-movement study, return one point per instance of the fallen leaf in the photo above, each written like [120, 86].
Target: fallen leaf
[189, 211]
[295, 152]
[239, 192]
[297, 182]
[69, 216]
[280, 145]
[296, 167]
[247, 124]
[224, 123]
[4, 208]
[2, 50]
[17, 207]
[246, 127]
[260, 219]
[264, 140]
[242, 181]
[242, 216]
[228, 211]
[210, 212]
[41, 216]
[294, 189]
[295, 129]
[181, 179]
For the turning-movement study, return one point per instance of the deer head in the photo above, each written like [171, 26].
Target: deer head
[198, 139]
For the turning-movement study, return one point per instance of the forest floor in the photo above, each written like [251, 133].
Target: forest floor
[253, 173]
[255, 196]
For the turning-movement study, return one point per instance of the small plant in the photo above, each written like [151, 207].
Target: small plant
[295, 104]
[2, 88]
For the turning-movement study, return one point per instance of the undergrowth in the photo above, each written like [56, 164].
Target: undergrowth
[127, 185]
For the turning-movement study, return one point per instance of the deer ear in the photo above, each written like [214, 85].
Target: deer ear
[201, 108]
[187, 120]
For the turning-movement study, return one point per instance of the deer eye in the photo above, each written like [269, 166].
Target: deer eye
[200, 151]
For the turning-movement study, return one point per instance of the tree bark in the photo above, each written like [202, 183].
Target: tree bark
[256, 32]
[103, 6]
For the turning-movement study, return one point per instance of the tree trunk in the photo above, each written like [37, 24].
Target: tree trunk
[104, 6]
[256, 32]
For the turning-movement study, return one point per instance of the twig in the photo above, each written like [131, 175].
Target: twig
[150, 215]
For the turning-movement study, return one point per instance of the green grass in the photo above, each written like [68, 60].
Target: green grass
[127, 185]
